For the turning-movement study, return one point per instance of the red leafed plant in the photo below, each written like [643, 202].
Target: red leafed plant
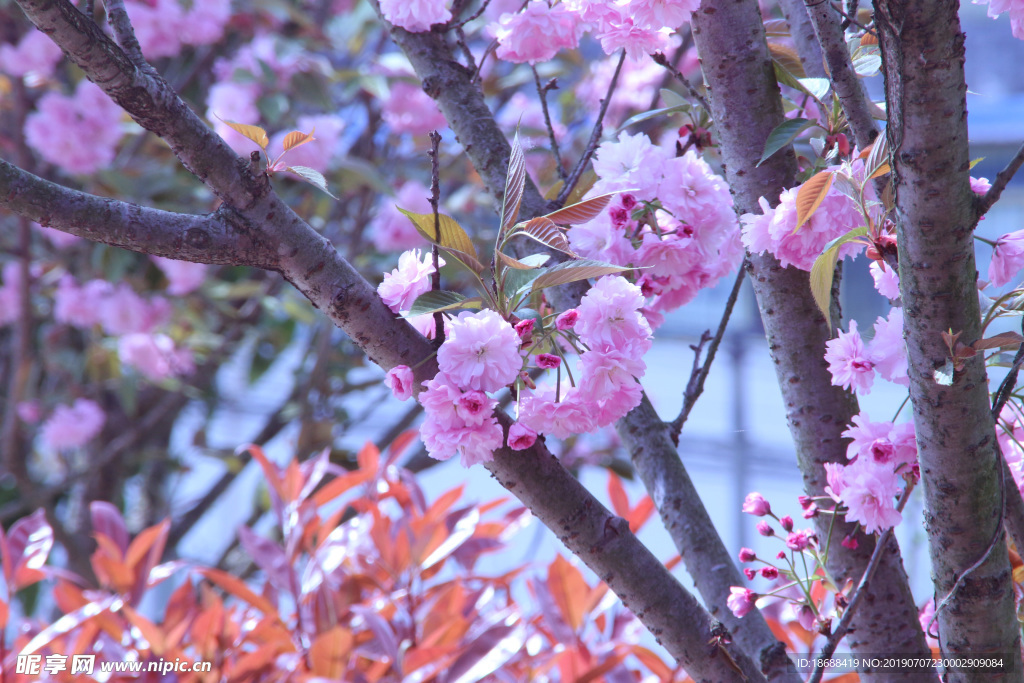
[362, 581]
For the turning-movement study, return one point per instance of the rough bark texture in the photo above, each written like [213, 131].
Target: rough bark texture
[923, 52]
[847, 86]
[746, 105]
[802, 32]
[646, 436]
[312, 265]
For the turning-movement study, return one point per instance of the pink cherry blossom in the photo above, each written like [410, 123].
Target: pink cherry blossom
[836, 478]
[980, 186]
[401, 382]
[610, 318]
[637, 80]
[410, 110]
[537, 33]
[521, 437]
[606, 371]
[799, 540]
[888, 350]
[741, 600]
[882, 443]
[481, 352]
[125, 312]
[182, 276]
[630, 163]
[1014, 7]
[548, 361]
[662, 13]
[473, 407]
[765, 529]
[1007, 258]
[775, 230]
[638, 41]
[869, 496]
[392, 230]
[600, 239]
[850, 363]
[406, 282]
[747, 555]
[755, 504]
[155, 356]
[79, 133]
[34, 53]
[73, 426]
[80, 306]
[571, 415]
[887, 280]
[567, 319]
[415, 15]
[446, 429]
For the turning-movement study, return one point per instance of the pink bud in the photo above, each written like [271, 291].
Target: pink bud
[805, 501]
[524, 328]
[741, 600]
[400, 380]
[850, 542]
[770, 572]
[765, 529]
[747, 555]
[548, 360]
[749, 573]
[787, 523]
[521, 437]
[756, 505]
[781, 555]
[812, 511]
[567, 320]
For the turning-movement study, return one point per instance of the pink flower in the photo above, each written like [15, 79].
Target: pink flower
[637, 40]
[80, 306]
[35, 52]
[747, 555]
[610, 318]
[401, 382]
[749, 573]
[411, 279]
[1014, 7]
[182, 276]
[521, 437]
[410, 110]
[600, 239]
[835, 475]
[765, 529]
[887, 280]
[851, 365]
[70, 427]
[537, 33]
[662, 13]
[567, 320]
[605, 372]
[786, 523]
[799, 540]
[474, 407]
[740, 600]
[415, 15]
[548, 361]
[79, 133]
[869, 495]
[125, 312]
[481, 352]
[458, 422]
[29, 412]
[980, 186]
[755, 504]
[154, 355]
[850, 542]
[773, 231]
[1007, 258]
[888, 350]
[390, 228]
[882, 443]
[571, 415]
[770, 573]
[630, 163]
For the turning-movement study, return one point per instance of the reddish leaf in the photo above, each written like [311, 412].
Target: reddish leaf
[998, 341]
[69, 622]
[545, 231]
[329, 653]
[488, 652]
[601, 669]
[237, 587]
[653, 662]
[569, 590]
[150, 631]
[515, 182]
[640, 514]
[810, 196]
[25, 549]
[107, 520]
[254, 133]
[4, 612]
[461, 526]
[296, 138]
[617, 495]
[584, 211]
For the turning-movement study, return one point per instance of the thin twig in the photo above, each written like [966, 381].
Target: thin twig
[662, 60]
[850, 19]
[464, 46]
[542, 92]
[475, 15]
[435, 200]
[1002, 180]
[699, 373]
[595, 136]
[117, 16]
[869, 571]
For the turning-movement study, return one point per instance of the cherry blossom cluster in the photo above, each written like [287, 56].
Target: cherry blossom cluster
[1014, 7]
[1010, 433]
[854, 362]
[483, 353]
[674, 220]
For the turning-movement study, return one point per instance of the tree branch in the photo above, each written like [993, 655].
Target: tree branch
[1003, 179]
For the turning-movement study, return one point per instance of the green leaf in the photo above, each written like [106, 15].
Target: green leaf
[515, 182]
[784, 134]
[311, 176]
[654, 113]
[441, 300]
[545, 231]
[535, 260]
[517, 283]
[584, 211]
[975, 162]
[452, 235]
[824, 269]
[822, 272]
[671, 98]
[574, 271]
[867, 64]
[815, 87]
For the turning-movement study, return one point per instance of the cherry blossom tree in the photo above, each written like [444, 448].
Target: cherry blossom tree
[779, 174]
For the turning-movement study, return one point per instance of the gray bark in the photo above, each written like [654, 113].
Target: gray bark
[923, 53]
[746, 105]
